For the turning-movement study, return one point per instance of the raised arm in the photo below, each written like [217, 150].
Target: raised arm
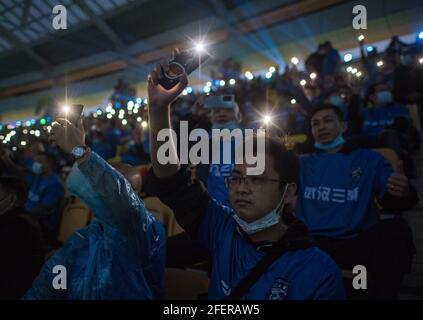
[159, 116]
[107, 192]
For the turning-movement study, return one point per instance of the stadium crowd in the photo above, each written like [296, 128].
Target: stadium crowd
[291, 233]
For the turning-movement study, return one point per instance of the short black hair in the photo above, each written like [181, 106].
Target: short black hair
[12, 185]
[321, 107]
[285, 161]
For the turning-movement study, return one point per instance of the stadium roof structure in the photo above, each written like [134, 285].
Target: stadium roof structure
[105, 37]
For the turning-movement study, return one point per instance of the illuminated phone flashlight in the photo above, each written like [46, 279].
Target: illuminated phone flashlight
[66, 109]
[249, 75]
[421, 60]
[295, 60]
[293, 101]
[267, 119]
[303, 82]
[360, 37]
[199, 47]
[313, 76]
[380, 63]
[358, 74]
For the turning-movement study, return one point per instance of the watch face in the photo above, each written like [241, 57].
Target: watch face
[78, 151]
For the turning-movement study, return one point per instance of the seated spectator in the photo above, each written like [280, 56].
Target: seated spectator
[259, 227]
[120, 255]
[336, 200]
[100, 146]
[45, 195]
[21, 241]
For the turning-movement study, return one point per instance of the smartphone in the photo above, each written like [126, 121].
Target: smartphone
[72, 113]
[185, 61]
[220, 101]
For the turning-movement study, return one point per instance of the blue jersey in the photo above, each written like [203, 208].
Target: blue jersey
[376, 119]
[337, 191]
[296, 275]
[218, 171]
[47, 192]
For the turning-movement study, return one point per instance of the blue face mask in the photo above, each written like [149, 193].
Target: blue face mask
[37, 168]
[335, 143]
[384, 97]
[337, 101]
[231, 125]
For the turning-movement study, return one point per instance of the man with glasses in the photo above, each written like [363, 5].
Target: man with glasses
[259, 250]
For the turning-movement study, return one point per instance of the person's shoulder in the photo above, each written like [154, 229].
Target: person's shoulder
[306, 157]
[315, 259]
[365, 154]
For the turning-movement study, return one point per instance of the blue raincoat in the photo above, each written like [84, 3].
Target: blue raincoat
[120, 255]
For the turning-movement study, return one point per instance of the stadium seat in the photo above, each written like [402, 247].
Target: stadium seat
[297, 139]
[164, 214]
[75, 216]
[185, 284]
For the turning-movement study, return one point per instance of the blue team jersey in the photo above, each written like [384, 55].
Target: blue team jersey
[218, 171]
[337, 191]
[47, 191]
[296, 275]
[375, 120]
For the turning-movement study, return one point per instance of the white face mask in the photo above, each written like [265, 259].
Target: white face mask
[269, 220]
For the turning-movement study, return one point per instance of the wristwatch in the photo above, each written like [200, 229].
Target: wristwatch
[79, 151]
